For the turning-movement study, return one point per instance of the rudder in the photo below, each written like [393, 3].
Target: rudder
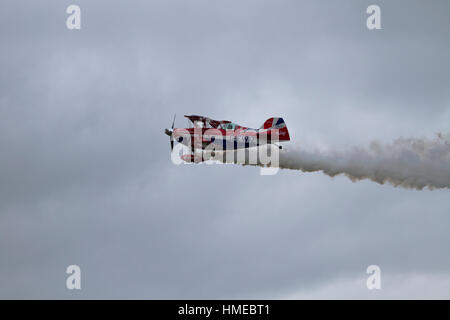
[277, 123]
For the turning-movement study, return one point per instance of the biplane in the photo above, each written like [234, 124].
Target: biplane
[225, 135]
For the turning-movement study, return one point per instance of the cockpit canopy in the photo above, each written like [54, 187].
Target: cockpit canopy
[228, 126]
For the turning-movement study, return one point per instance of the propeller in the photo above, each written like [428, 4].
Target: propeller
[173, 122]
[170, 132]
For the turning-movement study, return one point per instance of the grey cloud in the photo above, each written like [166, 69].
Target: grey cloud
[85, 169]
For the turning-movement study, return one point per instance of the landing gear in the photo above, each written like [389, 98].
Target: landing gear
[192, 158]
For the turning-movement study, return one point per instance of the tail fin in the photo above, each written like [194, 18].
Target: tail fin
[277, 123]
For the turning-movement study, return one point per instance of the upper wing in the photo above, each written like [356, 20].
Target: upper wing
[194, 118]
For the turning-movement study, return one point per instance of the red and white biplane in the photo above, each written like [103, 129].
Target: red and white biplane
[225, 135]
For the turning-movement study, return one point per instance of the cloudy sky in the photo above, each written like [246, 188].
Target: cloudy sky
[85, 170]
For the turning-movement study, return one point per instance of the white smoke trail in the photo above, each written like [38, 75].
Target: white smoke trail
[407, 162]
